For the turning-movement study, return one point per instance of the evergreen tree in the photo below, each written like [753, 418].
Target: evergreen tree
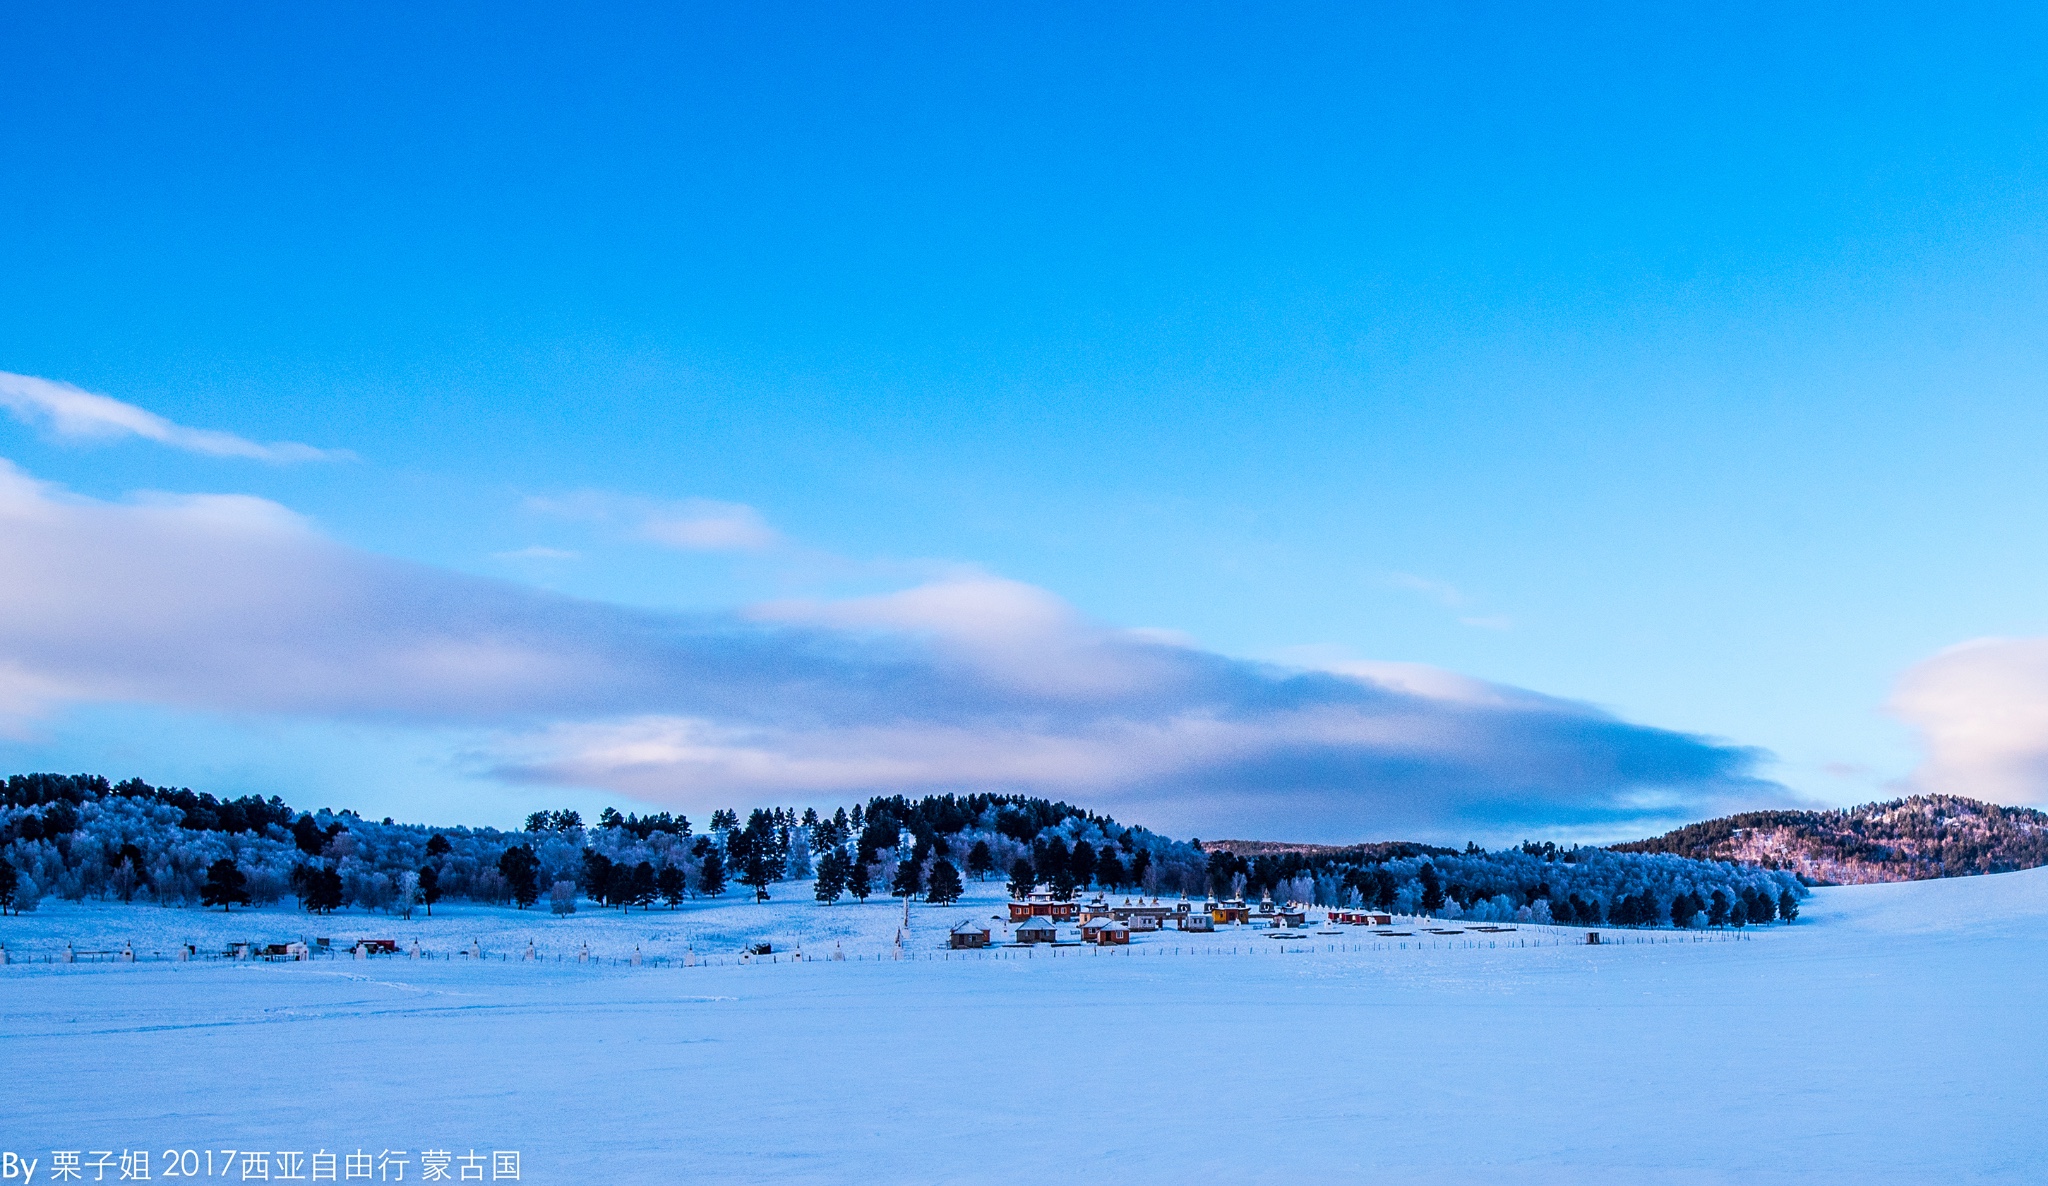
[1082, 863]
[10, 881]
[1022, 879]
[1432, 890]
[1385, 889]
[672, 885]
[226, 886]
[597, 876]
[980, 861]
[761, 870]
[908, 882]
[831, 876]
[1141, 864]
[1717, 909]
[1788, 906]
[438, 846]
[521, 870]
[430, 886]
[858, 881]
[1109, 872]
[711, 875]
[1063, 885]
[945, 887]
[1221, 869]
[323, 889]
[644, 888]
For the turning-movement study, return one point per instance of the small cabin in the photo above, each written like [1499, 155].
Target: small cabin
[968, 934]
[1111, 933]
[1037, 930]
[1197, 920]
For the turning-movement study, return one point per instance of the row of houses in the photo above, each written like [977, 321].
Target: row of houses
[1037, 917]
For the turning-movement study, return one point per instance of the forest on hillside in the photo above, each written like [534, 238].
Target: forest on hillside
[80, 836]
[1907, 839]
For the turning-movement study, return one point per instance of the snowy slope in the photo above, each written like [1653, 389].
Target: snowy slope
[1893, 1035]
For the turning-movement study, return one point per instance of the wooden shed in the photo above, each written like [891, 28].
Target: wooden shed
[968, 934]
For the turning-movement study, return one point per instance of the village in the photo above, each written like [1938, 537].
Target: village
[1037, 919]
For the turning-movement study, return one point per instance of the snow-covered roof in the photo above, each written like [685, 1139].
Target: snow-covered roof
[970, 927]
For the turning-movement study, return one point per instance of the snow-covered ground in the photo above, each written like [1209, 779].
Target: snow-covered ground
[1893, 1035]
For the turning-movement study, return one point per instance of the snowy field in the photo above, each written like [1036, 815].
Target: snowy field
[1894, 1034]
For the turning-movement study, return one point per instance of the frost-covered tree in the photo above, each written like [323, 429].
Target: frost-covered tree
[405, 895]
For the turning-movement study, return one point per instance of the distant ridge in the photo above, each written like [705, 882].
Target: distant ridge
[1908, 839]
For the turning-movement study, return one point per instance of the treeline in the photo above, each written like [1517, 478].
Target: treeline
[80, 836]
[1901, 840]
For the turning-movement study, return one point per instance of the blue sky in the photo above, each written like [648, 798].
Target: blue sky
[1665, 382]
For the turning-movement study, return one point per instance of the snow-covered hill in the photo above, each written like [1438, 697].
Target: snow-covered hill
[1892, 1035]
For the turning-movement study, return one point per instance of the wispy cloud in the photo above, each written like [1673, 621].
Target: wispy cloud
[1441, 592]
[1981, 708]
[73, 413]
[693, 524]
[537, 552]
[969, 681]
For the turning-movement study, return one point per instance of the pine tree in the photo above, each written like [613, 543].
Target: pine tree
[644, 887]
[1022, 879]
[945, 887]
[1717, 909]
[518, 866]
[672, 885]
[1432, 890]
[831, 876]
[858, 881]
[761, 870]
[597, 876]
[980, 861]
[430, 886]
[10, 881]
[1063, 885]
[1788, 906]
[438, 846]
[323, 889]
[908, 881]
[226, 886]
[1082, 862]
[711, 875]
[1109, 871]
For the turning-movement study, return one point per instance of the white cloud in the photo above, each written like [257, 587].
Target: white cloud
[228, 604]
[1441, 592]
[76, 414]
[692, 524]
[1982, 710]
